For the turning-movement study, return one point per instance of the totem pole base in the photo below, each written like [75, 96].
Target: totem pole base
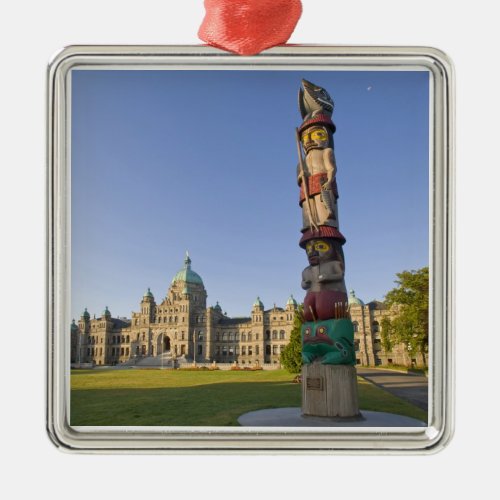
[329, 391]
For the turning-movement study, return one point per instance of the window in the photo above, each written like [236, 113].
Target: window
[231, 350]
[200, 336]
[231, 337]
[217, 350]
[200, 349]
[282, 334]
[257, 350]
[356, 345]
[237, 350]
[224, 350]
[355, 326]
[243, 337]
[127, 351]
[268, 350]
[375, 327]
[275, 350]
[143, 336]
[182, 335]
[256, 336]
[128, 339]
[250, 350]
[223, 337]
[122, 351]
[143, 352]
[275, 334]
[217, 337]
[249, 337]
[137, 350]
[243, 350]
[268, 335]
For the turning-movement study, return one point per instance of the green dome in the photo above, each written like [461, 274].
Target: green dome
[149, 294]
[74, 326]
[106, 313]
[217, 307]
[85, 314]
[353, 300]
[291, 301]
[258, 303]
[187, 274]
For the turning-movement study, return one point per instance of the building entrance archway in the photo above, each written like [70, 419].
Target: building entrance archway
[162, 343]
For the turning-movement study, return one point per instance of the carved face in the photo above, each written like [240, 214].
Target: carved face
[320, 250]
[315, 138]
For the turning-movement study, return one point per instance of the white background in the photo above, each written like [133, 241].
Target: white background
[30, 33]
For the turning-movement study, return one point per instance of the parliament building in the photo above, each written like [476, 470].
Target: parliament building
[182, 329]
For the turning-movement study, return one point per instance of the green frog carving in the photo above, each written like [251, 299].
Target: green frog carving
[332, 340]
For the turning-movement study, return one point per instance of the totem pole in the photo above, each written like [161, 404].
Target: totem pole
[328, 375]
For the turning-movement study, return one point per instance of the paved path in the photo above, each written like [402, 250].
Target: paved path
[412, 388]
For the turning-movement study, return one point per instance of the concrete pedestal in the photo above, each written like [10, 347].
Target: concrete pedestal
[329, 391]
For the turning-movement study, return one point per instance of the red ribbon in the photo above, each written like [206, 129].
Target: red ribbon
[249, 26]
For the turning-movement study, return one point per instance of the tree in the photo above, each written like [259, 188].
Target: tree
[410, 325]
[291, 356]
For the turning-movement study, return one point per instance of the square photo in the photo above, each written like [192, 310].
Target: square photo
[249, 248]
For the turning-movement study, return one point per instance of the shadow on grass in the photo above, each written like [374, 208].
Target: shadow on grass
[212, 404]
[215, 404]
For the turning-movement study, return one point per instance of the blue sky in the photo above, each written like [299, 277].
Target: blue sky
[205, 161]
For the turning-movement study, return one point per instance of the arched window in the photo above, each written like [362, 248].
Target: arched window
[375, 327]
[355, 326]
[282, 334]
[275, 334]
[268, 335]
[128, 339]
[249, 337]
[243, 337]
[143, 336]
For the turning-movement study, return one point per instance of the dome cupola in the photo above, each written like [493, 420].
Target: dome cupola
[353, 300]
[186, 274]
[258, 303]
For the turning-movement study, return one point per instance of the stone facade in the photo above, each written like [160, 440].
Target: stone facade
[183, 326]
[367, 320]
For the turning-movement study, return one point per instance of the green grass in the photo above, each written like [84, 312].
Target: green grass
[175, 397]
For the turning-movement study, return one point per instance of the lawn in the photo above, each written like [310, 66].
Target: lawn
[178, 397]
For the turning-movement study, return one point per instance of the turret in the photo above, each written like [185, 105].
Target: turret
[148, 305]
[257, 311]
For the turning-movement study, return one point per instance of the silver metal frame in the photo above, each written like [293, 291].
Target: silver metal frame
[247, 439]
